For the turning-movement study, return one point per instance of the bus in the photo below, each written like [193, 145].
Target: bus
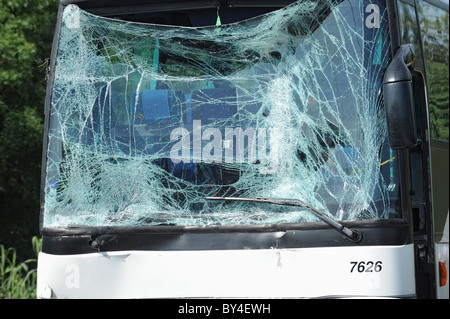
[246, 149]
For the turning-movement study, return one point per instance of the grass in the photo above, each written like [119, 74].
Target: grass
[18, 279]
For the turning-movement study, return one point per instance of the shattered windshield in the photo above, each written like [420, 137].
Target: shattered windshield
[146, 120]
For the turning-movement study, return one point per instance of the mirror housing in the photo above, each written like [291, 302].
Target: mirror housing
[399, 101]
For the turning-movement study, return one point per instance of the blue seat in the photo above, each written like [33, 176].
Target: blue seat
[217, 105]
[160, 112]
[162, 107]
[216, 108]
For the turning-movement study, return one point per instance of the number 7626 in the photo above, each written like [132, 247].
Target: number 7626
[366, 266]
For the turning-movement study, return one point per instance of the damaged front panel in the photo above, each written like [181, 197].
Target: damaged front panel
[148, 120]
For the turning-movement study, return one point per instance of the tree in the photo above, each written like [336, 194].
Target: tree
[26, 28]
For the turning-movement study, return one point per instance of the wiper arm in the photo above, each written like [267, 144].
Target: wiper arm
[351, 234]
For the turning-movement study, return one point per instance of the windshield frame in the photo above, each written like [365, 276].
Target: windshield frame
[170, 227]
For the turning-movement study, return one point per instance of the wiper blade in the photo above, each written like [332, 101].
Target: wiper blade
[351, 234]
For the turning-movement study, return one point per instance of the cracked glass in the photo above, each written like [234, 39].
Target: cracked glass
[147, 120]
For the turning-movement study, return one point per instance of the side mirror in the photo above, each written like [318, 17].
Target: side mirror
[398, 100]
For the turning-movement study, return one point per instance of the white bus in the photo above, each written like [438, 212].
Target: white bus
[246, 149]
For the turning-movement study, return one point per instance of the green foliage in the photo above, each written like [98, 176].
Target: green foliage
[27, 31]
[18, 280]
[438, 78]
[26, 28]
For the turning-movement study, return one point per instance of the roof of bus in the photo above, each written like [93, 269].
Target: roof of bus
[231, 10]
[173, 3]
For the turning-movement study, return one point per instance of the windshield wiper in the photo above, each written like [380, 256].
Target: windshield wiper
[351, 234]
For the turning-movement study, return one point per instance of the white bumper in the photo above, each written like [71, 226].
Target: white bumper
[368, 271]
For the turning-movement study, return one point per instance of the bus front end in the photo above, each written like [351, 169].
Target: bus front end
[202, 150]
